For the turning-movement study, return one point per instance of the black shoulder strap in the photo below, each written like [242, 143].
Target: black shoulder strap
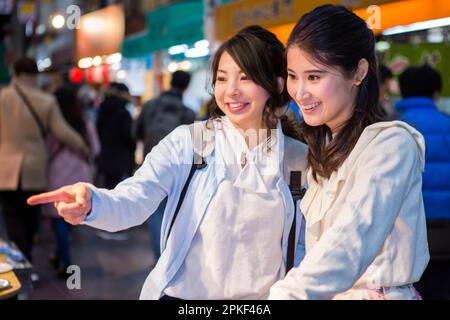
[295, 186]
[30, 108]
[194, 167]
[198, 162]
[297, 192]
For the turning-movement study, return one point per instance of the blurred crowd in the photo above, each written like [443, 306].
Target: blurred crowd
[51, 138]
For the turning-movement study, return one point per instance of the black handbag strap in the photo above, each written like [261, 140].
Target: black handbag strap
[30, 108]
[198, 162]
[194, 167]
[297, 192]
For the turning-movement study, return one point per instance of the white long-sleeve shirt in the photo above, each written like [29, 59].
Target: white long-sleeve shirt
[236, 252]
[365, 225]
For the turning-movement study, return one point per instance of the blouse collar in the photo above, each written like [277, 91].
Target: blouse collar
[263, 159]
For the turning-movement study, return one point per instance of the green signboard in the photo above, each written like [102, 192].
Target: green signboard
[4, 71]
[401, 55]
[178, 23]
[136, 45]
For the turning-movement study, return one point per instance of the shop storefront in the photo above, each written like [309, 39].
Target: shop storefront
[174, 40]
[98, 42]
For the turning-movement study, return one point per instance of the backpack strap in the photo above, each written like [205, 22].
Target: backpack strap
[198, 162]
[297, 193]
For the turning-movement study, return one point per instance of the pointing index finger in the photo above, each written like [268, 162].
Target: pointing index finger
[48, 197]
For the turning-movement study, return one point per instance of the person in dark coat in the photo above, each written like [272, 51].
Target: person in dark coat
[116, 159]
[159, 117]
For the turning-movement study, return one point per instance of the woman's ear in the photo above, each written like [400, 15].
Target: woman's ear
[281, 83]
[361, 71]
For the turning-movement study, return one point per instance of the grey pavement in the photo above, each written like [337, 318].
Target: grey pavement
[110, 269]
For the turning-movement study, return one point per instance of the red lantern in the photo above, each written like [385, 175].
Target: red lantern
[76, 75]
[105, 73]
[90, 75]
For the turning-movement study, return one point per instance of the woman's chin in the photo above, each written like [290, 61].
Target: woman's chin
[312, 122]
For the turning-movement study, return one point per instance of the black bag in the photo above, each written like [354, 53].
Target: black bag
[162, 116]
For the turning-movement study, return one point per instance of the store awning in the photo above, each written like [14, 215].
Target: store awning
[178, 23]
[136, 45]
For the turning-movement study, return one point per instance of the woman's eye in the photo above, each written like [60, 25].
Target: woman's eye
[291, 76]
[220, 79]
[313, 77]
[245, 78]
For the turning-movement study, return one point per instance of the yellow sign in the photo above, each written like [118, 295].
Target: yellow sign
[26, 11]
[272, 10]
[407, 12]
[232, 17]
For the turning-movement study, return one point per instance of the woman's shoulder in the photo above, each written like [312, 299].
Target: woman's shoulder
[392, 134]
[295, 147]
[295, 153]
[390, 137]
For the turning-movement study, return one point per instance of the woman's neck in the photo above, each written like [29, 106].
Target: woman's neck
[253, 134]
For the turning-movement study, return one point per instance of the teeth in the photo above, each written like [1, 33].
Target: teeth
[310, 106]
[236, 105]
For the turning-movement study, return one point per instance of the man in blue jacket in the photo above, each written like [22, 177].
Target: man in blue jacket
[420, 87]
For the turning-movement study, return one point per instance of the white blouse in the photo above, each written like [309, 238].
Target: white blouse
[365, 225]
[236, 252]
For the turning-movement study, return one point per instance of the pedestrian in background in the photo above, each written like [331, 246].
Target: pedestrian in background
[27, 114]
[384, 77]
[116, 159]
[114, 123]
[159, 117]
[66, 167]
[420, 87]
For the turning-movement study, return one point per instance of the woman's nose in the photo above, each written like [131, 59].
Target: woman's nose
[302, 93]
[232, 89]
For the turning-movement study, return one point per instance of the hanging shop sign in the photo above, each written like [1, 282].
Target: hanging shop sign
[101, 32]
[232, 17]
[26, 11]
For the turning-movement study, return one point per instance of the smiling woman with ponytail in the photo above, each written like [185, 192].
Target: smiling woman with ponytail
[365, 222]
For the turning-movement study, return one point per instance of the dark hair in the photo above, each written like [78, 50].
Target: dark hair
[384, 73]
[180, 80]
[118, 90]
[119, 87]
[71, 110]
[25, 65]
[420, 81]
[335, 36]
[261, 56]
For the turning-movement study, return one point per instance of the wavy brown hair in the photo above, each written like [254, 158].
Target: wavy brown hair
[336, 37]
[261, 56]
